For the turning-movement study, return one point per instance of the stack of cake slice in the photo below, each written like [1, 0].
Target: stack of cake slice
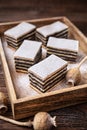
[17, 34]
[56, 29]
[27, 54]
[64, 48]
[47, 73]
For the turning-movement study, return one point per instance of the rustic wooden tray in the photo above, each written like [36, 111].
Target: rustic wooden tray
[25, 101]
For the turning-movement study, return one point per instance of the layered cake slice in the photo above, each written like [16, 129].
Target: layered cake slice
[64, 48]
[17, 34]
[56, 29]
[27, 55]
[47, 73]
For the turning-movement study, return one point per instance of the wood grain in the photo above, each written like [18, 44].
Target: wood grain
[71, 118]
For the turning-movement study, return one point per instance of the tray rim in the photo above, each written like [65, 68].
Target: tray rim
[11, 91]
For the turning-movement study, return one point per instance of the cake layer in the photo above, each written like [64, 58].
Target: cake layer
[16, 45]
[51, 83]
[28, 50]
[56, 34]
[18, 61]
[32, 34]
[23, 65]
[22, 70]
[52, 79]
[49, 49]
[44, 42]
[20, 30]
[51, 29]
[65, 58]
[28, 63]
[63, 44]
[47, 88]
[13, 46]
[13, 43]
[48, 67]
[62, 54]
[19, 42]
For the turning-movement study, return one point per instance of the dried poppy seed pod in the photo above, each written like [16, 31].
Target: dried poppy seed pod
[3, 103]
[73, 76]
[43, 121]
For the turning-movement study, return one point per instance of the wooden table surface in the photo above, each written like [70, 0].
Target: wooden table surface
[70, 118]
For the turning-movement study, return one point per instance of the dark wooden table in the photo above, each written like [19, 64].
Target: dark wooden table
[71, 118]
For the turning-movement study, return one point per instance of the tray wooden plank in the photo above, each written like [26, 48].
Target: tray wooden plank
[29, 104]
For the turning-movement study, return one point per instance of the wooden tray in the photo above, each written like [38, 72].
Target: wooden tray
[25, 101]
